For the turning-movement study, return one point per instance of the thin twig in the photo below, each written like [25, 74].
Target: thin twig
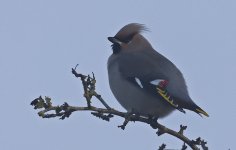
[89, 88]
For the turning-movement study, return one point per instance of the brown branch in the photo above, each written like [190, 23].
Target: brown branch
[65, 110]
[162, 147]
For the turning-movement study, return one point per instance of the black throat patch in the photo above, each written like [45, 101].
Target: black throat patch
[116, 48]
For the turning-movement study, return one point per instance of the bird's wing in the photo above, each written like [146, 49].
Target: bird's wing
[139, 65]
[141, 70]
[149, 70]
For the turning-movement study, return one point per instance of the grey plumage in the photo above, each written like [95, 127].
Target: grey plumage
[132, 69]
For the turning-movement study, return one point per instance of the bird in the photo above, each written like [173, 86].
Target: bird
[144, 81]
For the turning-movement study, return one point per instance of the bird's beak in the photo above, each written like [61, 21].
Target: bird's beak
[114, 40]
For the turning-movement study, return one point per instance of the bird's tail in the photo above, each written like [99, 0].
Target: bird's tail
[200, 111]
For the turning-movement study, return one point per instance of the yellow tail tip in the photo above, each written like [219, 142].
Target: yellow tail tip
[200, 111]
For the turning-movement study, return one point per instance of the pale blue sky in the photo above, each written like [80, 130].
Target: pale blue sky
[40, 40]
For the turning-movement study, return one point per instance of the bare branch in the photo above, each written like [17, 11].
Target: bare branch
[162, 147]
[65, 110]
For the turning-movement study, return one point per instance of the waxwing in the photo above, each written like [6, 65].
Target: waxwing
[144, 81]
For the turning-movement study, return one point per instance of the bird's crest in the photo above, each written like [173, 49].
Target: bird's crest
[130, 30]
